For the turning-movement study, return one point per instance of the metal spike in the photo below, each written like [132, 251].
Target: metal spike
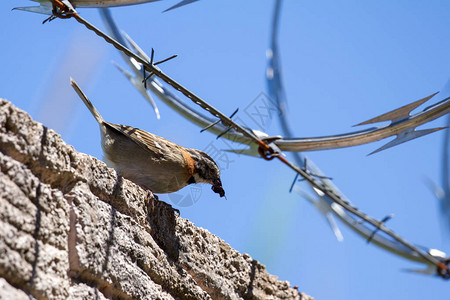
[164, 60]
[154, 64]
[217, 122]
[146, 78]
[398, 113]
[221, 134]
[143, 70]
[305, 168]
[49, 19]
[235, 112]
[182, 3]
[152, 55]
[406, 135]
[385, 219]
[210, 125]
[294, 182]
[43, 9]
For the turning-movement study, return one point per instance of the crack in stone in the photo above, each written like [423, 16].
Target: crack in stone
[79, 274]
[36, 235]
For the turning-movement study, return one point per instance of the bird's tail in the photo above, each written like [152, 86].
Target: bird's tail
[86, 101]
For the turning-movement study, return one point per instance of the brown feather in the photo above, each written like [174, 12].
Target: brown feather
[190, 163]
[146, 140]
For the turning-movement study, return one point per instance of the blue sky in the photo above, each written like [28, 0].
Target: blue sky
[343, 63]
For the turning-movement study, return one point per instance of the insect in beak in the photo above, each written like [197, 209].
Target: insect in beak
[217, 188]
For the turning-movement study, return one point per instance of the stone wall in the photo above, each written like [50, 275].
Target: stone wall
[70, 228]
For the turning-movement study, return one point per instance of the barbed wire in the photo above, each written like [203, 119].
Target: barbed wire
[266, 148]
[327, 207]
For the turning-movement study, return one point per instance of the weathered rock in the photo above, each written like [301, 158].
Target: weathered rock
[71, 228]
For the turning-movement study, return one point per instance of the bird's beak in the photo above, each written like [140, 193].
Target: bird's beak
[217, 188]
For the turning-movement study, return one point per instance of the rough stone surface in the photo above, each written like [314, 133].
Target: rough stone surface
[71, 228]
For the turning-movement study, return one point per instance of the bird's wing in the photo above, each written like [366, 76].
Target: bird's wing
[156, 145]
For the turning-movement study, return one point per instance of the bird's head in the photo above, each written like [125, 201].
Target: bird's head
[206, 171]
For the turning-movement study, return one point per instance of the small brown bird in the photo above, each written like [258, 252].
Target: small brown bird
[151, 161]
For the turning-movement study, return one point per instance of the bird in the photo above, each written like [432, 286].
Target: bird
[151, 161]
